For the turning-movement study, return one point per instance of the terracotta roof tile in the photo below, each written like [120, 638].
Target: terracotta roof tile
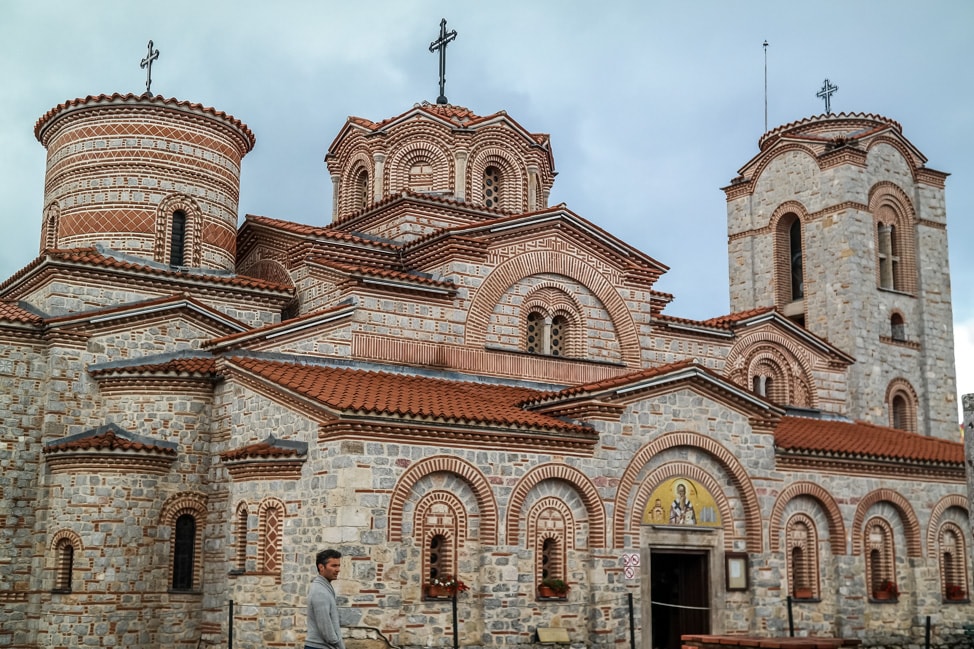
[197, 365]
[320, 232]
[129, 98]
[727, 321]
[612, 382]
[12, 312]
[862, 440]
[386, 273]
[92, 257]
[267, 449]
[275, 326]
[109, 437]
[409, 396]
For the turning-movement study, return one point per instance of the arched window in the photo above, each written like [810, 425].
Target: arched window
[177, 241]
[803, 557]
[184, 550]
[64, 552]
[795, 256]
[534, 333]
[897, 327]
[361, 194]
[880, 560]
[439, 557]
[900, 412]
[492, 187]
[559, 328]
[895, 247]
[240, 538]
[953, 564]
[550, 525]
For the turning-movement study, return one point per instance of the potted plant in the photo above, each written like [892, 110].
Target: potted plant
[553, 588]
[955, 592]
[444, 587]
[887, 590]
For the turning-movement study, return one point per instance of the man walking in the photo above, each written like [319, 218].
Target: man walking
[324, 632]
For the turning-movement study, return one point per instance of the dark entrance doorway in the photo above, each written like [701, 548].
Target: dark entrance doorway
[680, 595]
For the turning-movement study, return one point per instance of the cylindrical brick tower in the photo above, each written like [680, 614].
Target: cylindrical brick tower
[152, 177]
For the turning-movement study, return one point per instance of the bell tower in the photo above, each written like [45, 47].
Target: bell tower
[151, 177]
[839, 224]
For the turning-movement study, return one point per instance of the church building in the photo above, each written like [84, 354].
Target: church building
[455, 380]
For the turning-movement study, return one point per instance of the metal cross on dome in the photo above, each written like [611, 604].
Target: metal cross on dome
[147, 66]
[826, 93]
[440, 44]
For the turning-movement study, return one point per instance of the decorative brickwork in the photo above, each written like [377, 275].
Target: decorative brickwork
[911, 526]
[837, 537]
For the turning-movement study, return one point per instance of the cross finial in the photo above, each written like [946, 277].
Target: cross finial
[147, 66]
[440, 44]
[826, 93]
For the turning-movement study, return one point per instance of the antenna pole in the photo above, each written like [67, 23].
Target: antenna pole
[765, 86]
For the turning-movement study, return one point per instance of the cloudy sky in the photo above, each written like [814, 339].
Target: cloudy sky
[652, 106]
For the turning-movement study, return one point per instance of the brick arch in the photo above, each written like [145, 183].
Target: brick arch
[901, 148]
[69, 535]
[536, 263]
[936, 516]
[444, 464]
[900, 386]
[50, 230]
[193, 250]
[183, 503]
[911, 526]
[578, 480]
[270, 270]
[766, 162]
[749, 348]
[513, 198]
[738, 476]
[416, 147]
[824, 498]
[889, 195]
[357, 162]
[552, 299]
[692, 472]
[270, 536]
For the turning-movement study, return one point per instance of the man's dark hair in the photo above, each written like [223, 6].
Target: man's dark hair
[321, 559]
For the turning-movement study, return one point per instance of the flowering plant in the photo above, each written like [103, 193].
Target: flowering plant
[955, 592]
[450, 583]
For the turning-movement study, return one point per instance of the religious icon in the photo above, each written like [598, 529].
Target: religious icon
[681, 511]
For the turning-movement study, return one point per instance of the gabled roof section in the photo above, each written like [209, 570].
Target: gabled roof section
[181, 364]
[318, 233]
[407, 398]
[375, 275]
[735, 322]
[626, 386]
[341, 311]
[451, 116]
[846, 440]
[110, 437]
[98, 258]
[557, 216]
[134, 311]
[268, 448]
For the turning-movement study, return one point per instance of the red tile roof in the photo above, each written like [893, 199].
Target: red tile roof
[11, 312]
[408, 396]
[859, 440]
[92, 257]
[385, 273]
[197, 365]
[269, 448]
[132, 99]
[108, 438]
[319, 232]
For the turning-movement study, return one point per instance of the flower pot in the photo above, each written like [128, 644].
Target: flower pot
[882, 595]
[803, 593]
[547, 592]
[439, 592]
